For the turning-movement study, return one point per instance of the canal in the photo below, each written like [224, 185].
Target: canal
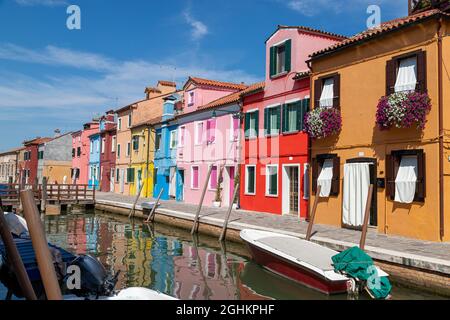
[171, 261]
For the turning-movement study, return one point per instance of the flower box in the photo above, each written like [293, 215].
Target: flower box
[323, 122]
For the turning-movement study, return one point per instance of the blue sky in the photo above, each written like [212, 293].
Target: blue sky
[52, 77]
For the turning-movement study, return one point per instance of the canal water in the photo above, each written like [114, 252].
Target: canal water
[171, 261]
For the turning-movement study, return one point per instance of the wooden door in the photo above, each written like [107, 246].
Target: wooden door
[293, 190]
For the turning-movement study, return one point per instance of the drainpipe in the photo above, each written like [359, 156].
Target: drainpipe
[441, 133]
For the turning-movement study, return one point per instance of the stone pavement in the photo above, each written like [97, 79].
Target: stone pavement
[415, 253]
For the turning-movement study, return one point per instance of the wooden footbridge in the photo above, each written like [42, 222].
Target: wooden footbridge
[51, 194]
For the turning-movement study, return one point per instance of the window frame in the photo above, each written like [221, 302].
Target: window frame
[268, 109]
[181, 136]
[210, 187]
[128, 152]
[192, 177]
[392, 68]
[247, 180]
[268, 177]
[316, 168]
[318, 88]
[274, 59]
[173, 139]
[248, 132]
[197, 135]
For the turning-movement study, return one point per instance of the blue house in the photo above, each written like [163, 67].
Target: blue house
[166, 144]
[94, 160]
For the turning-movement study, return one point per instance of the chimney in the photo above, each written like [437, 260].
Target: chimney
[167, 86]
[152, 92]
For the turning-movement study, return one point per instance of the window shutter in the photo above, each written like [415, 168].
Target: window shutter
[247, 125]
[284, 120]
[273, 62]
[391, 75]
[278, 109]
[335, 184]
[257, 122]
[390, 176]
[302, 113]
[421, 179]
[337, 91]
[317, 92]
[315, 175]
[422, 72]
[266, 122]
[288, 46]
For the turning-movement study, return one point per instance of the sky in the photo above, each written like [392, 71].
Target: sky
[55, 78]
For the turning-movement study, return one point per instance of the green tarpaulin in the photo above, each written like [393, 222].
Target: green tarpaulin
[357, 264]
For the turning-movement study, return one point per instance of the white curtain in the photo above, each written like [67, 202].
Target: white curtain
[356, 190]
[405, 183]
[326, 99]
[325, 178]
[407, 75]
[292, 116]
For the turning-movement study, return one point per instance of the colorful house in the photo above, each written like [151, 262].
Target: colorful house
[94, 160]
[206, 138]
[55, 159]
[29, 166]
[407, 164]
[81, 152]
[9, 161]
[144, 115]
[166, 146]
[108, 151]
[274, 174]
[123, 150]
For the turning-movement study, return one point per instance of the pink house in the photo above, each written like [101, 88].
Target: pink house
[208, 136]
[81, 152]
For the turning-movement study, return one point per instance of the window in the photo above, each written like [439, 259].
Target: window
[306, 175]
[293, 115]
[158, 141]
[272, 180]
[117, 175]
[280, 58]
[129, 120]
[135, 143]
[182, 136]
[195, 177]
[407, 73]
[103, 145]
[119, 124]
[326, 172]
[405, 175]
[235, 126]
[250, 180]
[130, 175]
[251, 124]
[118, 150]
[173, 139]
[92, 146]
[272, 120]
[97, 143]
[128, 149]
[191, 97]
[213, 180]
[327, 90]
[199, 133]
[79, 152]
[113, 144]
[73, 152]
[211, 131]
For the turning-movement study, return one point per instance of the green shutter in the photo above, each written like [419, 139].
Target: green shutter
[256, 114]
[284, 121]
[273, 61]
[266, 122]
[303, 112]
[247, 125]
[278, 110]
[288, 47]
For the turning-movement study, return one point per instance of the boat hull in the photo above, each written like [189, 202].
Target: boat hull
[296, 272]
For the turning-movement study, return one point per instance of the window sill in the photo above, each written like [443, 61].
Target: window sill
[271, 195]
[279, 75]
[291, 133]
[251, 138]
[272, 135]
[250, 194]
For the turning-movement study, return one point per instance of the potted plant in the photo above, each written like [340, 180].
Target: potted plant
[403, 110]
[218, 198]
[322, 122]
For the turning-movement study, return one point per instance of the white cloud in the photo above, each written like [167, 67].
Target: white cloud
[199, 29]
[47, 3]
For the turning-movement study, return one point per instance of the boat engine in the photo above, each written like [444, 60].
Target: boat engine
[94, 279]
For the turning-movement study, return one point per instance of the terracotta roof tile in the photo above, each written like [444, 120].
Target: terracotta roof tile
[256, 87]
[313, 31]
[147, 123]
[231, 98]
[220, 84]
[167, 83]
[37, 141]
[151, 89]
[383, 28]
[302, 75]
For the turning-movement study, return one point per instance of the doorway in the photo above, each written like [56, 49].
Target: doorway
[180, 185]
[122, 180]
[359, 174]
[291, 190]
[172, 183]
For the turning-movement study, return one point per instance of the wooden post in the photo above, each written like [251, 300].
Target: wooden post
[227, 218]
[133, 209]
[197, 215]
[15, 259]
[76, 194]
[44, 194]
[151, 216]
[59, 193]
[362, 242]
[313, 214]
[40, 246]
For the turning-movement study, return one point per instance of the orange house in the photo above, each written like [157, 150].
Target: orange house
[409, 167]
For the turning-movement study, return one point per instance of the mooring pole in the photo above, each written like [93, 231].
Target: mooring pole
[227, 217]
[313, 214]
[197, 215]
[15, 259]
[133, 209]
[40, 246]
[362, 242]
[151, 216]
[44, 194]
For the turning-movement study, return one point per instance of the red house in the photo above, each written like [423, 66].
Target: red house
[274, 173]
[29, 165]
[108, 151]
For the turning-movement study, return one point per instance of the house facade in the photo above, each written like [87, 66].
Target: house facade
[123, 150]
[55, 160]
[81, 152]
[166, 146]
[204, 139]
[275, 153]
[405, 162]
[94, 160]
[29, 165]
[9, 161]
[108, 151]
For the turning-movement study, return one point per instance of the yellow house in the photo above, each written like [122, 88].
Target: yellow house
[408, 167]
[144, 114]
